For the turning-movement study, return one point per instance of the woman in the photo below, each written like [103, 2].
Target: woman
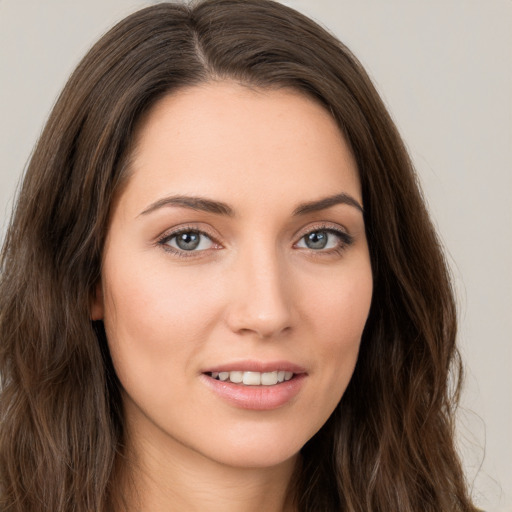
[221, 287]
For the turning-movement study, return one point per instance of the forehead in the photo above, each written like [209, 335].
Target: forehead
[229, 141]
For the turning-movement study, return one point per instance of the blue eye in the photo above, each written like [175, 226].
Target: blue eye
[324, 239]
[188, 241]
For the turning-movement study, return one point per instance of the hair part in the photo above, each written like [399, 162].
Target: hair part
[389, 443]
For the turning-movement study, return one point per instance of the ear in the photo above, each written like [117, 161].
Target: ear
[97, 311]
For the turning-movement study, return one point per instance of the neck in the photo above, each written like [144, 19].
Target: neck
[174, 479]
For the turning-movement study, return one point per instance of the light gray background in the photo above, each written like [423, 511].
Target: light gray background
[444, 68]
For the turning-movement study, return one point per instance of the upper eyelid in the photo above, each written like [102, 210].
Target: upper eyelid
[163, 242]
[345, 238]
[325, 226]
[168, 234]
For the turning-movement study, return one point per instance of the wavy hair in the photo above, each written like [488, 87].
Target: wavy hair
[389, 445]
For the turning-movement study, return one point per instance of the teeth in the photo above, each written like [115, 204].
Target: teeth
[269, 379]
[236, 377]
[253, 378]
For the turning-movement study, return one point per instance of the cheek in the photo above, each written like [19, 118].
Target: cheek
[154, 316]
[150, 294]
[337, 311]
[339, 302]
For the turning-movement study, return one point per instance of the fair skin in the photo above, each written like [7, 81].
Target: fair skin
[238, 245]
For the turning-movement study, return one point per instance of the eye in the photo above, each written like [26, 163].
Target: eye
[324, 240]
[189, 241]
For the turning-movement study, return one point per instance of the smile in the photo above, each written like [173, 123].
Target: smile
[253, 378]
[273, 386]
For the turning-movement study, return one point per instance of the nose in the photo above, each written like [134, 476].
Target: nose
[262, 300]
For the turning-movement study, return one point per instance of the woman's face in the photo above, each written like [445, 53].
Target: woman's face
[236, 252]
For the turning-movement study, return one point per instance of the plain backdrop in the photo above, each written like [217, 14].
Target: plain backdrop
[444, 68]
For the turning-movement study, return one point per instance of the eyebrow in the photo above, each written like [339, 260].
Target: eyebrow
[194, 203]
[327, 202]
[218, 207]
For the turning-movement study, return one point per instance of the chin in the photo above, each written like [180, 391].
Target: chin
[257, 457]
[257, 446]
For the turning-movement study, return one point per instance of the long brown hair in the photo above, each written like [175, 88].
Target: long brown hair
[389, 444]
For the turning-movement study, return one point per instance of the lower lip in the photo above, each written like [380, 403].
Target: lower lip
[257, 398]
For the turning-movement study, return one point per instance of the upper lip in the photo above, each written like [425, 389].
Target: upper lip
[256, 366]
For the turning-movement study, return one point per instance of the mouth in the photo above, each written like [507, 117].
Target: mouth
[251, 378]
[256, 385]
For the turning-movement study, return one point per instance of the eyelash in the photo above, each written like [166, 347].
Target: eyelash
[345, 240]
[164, 240]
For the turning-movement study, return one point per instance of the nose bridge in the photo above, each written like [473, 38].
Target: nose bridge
[262, 302]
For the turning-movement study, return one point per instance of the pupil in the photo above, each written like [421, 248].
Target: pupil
[188, 241]
[316, 240]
